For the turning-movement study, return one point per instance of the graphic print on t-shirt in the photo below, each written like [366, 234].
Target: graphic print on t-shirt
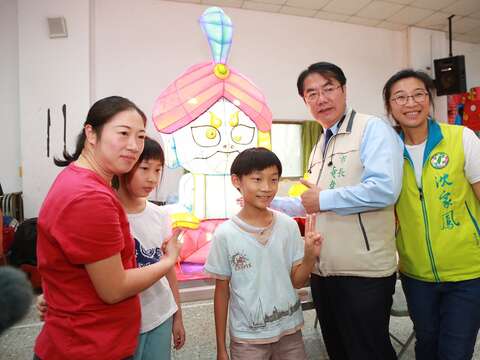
[261, 320]
[240, 261]
[146, 256]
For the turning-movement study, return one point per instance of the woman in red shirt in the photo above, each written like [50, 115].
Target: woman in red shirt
[85, 250]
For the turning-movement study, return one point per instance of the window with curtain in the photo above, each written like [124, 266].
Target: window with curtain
[293, 141]
[287, 144]
[311, 131]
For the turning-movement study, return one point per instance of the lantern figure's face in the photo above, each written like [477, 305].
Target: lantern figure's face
[209, 144]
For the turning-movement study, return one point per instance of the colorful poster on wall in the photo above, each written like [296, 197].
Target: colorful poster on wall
[471, 110]
[464, 109]
[455, 108]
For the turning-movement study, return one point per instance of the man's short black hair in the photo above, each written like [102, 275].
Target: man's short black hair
[254, 159]
[323, 68]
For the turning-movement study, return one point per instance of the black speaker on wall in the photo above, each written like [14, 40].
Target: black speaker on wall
[450, 75]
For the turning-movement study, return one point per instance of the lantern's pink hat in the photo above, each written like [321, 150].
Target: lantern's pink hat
[199, 88]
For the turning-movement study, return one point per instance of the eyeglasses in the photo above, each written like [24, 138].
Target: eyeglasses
[418, 97]
[326, 91]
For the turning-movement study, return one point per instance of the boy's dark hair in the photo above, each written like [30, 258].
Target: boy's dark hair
[326, 69]
[404, 74]
[152, 151]
[254, 159]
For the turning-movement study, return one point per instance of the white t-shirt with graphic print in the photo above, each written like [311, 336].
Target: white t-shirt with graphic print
[263, 303]
[149, 229]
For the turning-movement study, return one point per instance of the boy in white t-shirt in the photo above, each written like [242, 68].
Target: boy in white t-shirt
[258, 257]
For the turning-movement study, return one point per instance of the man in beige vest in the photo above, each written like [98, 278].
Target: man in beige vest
[355, 173]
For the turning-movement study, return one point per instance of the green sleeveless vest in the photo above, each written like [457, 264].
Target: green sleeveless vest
[439, 236]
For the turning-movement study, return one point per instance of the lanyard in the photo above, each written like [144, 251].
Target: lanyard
[334, 136]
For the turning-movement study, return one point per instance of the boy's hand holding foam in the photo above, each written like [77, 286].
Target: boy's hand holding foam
[179, 222]
[184, 221]
[172, 246]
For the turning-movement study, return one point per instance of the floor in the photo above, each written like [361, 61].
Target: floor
[17, 342]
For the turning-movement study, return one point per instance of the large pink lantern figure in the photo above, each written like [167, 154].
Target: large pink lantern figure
[207, 116]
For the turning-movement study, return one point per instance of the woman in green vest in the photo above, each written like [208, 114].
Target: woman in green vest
[438, 238]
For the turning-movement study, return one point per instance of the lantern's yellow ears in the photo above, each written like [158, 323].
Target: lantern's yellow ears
[185, 220]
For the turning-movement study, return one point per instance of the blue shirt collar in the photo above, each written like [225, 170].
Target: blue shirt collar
[334, 127]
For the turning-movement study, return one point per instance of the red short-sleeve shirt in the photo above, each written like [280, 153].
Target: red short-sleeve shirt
[82, 221]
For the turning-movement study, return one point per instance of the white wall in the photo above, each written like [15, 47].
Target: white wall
[423, 46]
[472, 61]
[426, 45]
[10, 127]
[52, 72]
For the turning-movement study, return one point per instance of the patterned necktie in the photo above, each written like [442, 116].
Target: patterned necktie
[328, 135]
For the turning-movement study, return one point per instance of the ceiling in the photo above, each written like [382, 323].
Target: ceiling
[389, 14]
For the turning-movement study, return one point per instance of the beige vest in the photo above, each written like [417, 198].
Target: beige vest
[360, 244]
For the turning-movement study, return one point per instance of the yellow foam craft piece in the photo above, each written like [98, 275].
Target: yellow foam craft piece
[185, 220]
[298, 189]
